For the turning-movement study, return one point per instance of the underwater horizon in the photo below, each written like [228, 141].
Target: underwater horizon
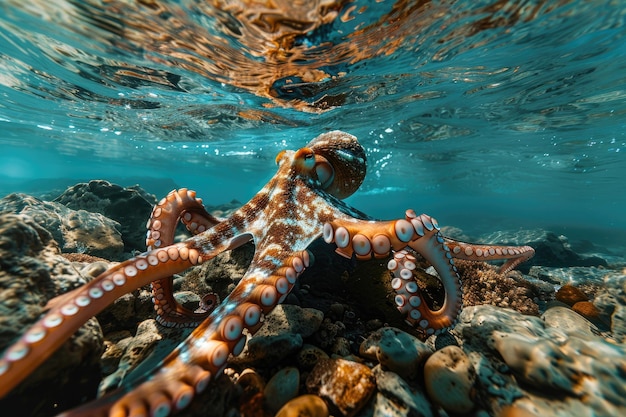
[487, 115]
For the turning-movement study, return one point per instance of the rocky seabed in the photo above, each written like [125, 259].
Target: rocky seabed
[546, 342]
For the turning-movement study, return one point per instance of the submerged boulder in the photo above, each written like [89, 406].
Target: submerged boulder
[32, 272]
[76, 231]
[129, 206]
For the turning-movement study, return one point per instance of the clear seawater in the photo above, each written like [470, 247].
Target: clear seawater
[487, 115]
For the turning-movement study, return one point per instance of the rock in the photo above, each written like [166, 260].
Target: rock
[281, 388]
[577, 275]
[328, 331]
[346, 386]
[341, 347]
[449, 378]
[586, 309]
[130, 207]
[280, 336]
[570, 295]
[75, 231]
[32, 272]
[251, 382]
[396, 397]
[309, 355]
[142, 351]
[115, 345]
[286, 318]
[570, 322]
[304, 406]
[618, 323]
[267, 351]
[252, 398]
[526, 366]
[396, 351]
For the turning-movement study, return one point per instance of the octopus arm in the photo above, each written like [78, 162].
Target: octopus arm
[178, 205]
[187, 371]
[514, 255]
[68, 312]
[367, 239]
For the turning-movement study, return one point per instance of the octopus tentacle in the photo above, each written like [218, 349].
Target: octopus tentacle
[176, 381]
[514, 255]
[365, 239]
[76, 307]
[178, 204]
[409, 299]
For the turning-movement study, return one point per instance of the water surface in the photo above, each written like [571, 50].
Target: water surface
[485, 114]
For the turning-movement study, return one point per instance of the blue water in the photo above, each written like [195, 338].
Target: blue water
[485, 114]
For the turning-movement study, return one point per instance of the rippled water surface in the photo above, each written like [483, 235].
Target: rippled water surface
[487, 114]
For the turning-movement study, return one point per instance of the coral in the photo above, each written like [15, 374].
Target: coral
[482, 284]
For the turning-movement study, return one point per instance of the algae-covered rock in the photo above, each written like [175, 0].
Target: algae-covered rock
[32, 272]
[129, 206]
[75, 230]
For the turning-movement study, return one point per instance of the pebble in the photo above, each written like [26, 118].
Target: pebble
[251, 382]
[341, 347]
[252, 398]
[570, 295]
[268, 350]
[396, 351]
[281, 388]
[570, 322]
[395, 397]
[304, 406]
[309, 355]
[287, 318]
[346, 386]
[586, 309]
[94, 269]
[450, 377]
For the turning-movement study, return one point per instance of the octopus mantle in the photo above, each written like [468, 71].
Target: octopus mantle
[299, 204]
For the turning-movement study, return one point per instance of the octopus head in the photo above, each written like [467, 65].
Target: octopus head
[338, 161]
[335, 159]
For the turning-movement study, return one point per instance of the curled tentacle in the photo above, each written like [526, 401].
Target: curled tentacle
[179, 204]
[514, 255]
[366, 239]
[409, 299]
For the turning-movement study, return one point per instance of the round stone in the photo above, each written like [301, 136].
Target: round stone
[281, 388]
[450, 377]
[305, 405]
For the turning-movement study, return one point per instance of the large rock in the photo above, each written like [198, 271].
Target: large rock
[527, 367]
[32, 271]
[130, 207]
[76, 231]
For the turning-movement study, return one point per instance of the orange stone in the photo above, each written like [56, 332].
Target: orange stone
[570, 295]
[586, 309]
[346, 386]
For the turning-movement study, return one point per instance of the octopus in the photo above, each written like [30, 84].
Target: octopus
[300, 203]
